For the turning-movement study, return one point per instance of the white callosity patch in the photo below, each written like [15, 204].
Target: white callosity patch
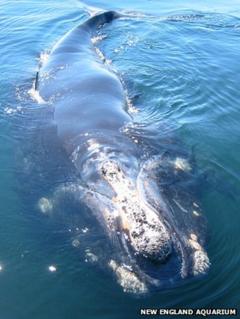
[127, 278]
[146, 233]
[201, 261]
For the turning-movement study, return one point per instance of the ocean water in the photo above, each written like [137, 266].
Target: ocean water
[182, 60]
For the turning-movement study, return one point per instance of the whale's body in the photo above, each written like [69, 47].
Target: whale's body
[89, 104]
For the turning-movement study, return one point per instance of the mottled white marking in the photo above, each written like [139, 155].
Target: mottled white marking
[147, 234]
[193, 236]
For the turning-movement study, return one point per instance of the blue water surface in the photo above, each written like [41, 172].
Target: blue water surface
[182, 59]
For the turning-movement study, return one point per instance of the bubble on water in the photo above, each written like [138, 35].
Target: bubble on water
[76, 243]
[45, 205]
[85, 230]
[196, 213]
[52, 268]
[90, 257]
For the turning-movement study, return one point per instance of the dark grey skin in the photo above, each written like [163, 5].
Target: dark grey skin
[89, 112]
[90, 95]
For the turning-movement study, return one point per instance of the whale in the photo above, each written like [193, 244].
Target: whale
[155, 240]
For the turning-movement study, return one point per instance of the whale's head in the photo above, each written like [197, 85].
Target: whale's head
[155, 230]
[141, 225]
[163, 243]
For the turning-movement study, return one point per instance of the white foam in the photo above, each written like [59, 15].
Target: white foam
[128, 279]
[201, 261]
[182, 164]
[98, 38]
[43, 57]
[131, 108]
[9, 110]
[93, 145]
[35, 95]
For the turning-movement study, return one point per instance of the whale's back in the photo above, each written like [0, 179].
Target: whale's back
[85, 92]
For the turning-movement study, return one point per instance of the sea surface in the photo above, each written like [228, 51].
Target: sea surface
[181, 58]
